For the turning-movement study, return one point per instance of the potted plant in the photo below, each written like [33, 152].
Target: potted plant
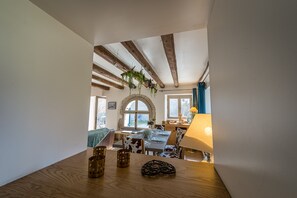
[132, 75]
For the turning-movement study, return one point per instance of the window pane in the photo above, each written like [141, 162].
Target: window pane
[142, 106]
[129, 120]
[185, 106]
[92, 113]
[101, 113]
[131, 106]
[173, 107]
[142, 120]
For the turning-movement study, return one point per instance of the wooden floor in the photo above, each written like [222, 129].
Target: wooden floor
[69, 178]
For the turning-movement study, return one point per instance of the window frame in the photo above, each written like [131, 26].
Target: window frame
[178, 97]
[136, 112]
[94, 109]
[151, 110]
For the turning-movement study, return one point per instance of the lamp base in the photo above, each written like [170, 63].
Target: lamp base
[207, 156]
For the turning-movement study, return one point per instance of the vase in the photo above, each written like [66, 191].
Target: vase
[190, 117]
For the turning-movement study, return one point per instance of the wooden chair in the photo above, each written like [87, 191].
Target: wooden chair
[174, 151]
[135, 145]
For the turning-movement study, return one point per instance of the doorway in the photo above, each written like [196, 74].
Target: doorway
[97, 113]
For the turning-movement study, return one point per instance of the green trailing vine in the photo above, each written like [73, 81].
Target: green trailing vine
[131, 75]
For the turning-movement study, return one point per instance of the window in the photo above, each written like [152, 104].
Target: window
[178, 104]
[101, 113]
[97, 113]
[137, 110]
[136, 114]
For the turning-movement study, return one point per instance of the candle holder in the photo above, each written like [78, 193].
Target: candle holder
[99, 151]
[123, 158]
[96, 166]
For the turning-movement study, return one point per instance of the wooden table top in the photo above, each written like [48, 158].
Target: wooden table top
[69, 178]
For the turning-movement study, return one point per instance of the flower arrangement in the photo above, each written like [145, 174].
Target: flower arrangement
[193, 110]
[191, 114]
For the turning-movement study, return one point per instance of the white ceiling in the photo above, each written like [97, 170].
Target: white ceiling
[102, 22]
[191, 54]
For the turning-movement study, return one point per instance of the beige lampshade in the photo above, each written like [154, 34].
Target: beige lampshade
[199, 134]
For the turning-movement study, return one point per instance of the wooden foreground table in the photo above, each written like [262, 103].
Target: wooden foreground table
[69, 178]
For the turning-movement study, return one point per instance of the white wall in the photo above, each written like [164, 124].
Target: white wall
[45, 90]
[158, 100]
[252, 50]
[96, 91]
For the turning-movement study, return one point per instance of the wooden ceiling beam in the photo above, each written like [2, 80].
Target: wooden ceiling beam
[131, 47]
[109, 57]
[107, 82]
[168, 44]
[100, 86]
[107, 74]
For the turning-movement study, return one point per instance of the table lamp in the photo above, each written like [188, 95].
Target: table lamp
[199, 134]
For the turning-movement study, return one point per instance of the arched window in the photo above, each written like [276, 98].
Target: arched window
[136, 111]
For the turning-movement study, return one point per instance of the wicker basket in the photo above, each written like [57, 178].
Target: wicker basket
[96, 166]
[99, 151]
[123, 158]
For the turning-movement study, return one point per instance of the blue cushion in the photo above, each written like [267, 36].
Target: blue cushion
[96, 136]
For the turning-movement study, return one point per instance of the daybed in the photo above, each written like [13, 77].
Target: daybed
[101, 137]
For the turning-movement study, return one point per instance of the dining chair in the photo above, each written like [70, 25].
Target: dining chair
[135, 145]
[174, 151]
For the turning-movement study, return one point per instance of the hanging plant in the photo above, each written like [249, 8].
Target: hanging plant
[152, 86]
[142, 80]
[140, 77]
[128, 76]
[153, 89]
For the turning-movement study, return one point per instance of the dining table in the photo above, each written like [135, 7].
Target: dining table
[69, 178]
[155, 142]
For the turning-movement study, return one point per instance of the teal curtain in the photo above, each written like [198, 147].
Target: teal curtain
[195, 98]
[201, 97]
